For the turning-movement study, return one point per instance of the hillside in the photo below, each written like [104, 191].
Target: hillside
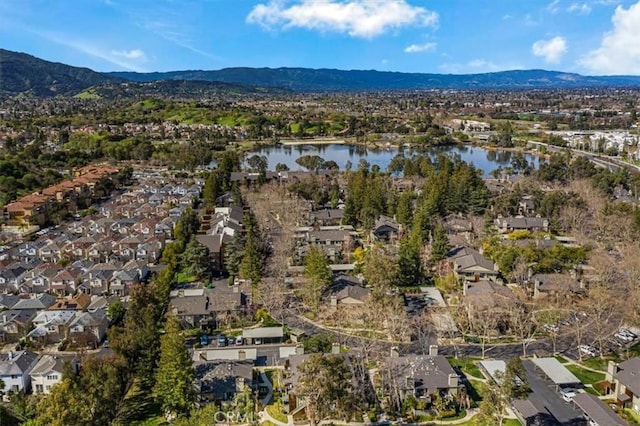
[25, 74]
[304, 79]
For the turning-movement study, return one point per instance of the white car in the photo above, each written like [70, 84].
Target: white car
[623, 336]
[568, 394]
[587, 350]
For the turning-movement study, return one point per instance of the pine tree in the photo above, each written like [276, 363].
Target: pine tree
[318, 274]
[195, 260]
[174, 378]
[440, 244]
[251, 264]
[409, 260]
[212, 189]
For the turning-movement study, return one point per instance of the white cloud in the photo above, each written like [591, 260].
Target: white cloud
[358, 18]
[581, 8]
[553, 7]
[135, 54]
[551, 50]
[419, 48]
[619, 51]
[87, 48]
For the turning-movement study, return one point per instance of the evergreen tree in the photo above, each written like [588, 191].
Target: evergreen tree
[404, 209]
[196, 261]
[318, 276]
[174, 378]
[409, 260]
[251, 265]
[380, 272]
[212, 189]
[439, 244]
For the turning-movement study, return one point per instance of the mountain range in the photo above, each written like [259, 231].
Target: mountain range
[23, 74]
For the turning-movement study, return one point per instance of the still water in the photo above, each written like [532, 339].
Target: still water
[482, 159]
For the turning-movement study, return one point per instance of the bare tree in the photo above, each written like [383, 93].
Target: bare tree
[522, 323]
[422, 330]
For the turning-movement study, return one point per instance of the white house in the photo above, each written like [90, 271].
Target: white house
[48, 371]
[15, 368]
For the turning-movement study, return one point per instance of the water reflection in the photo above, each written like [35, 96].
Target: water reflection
[486, 160]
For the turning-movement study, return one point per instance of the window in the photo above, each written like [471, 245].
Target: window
[39, 388]
[14, 377]
[48, 387]
[52, 377]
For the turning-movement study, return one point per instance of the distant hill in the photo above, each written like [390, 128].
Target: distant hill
[25, 74]
[305, 79]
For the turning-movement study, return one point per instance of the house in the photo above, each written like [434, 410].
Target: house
[624, 380]
[192, 307]
[38, 302]
[51, 326]
[219, 381]
[521, 223]
[48, 372]
[385, 229]
[544, 284]
[485, 293]
[327, 217]
[470, 265]
[349, 291]
[420, 376]
[15, 324]
[88, 328]
[15, 368]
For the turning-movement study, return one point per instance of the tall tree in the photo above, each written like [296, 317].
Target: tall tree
[138, 339]
[195, 260]
[212, 189]
[439, 244]
[174, 378]
[380, 272]
[325, 381]
[318, 277]
[251, 265]
[409, 260]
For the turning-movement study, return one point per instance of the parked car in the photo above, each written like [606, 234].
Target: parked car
[204, 340]
[239, 340]
[568, 394]
[587, 350]
[257, 341]
[222, 340]
[623, 336]
[551, 328]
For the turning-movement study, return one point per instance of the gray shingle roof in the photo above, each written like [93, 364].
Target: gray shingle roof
[16, 363]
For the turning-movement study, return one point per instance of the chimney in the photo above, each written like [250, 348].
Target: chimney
[394, 352]
[10, 355]
[433, 350]
[334, 301]
[453, 381]
[612, 369]
[236, 288]
[299, 350]
[465, 286]
[335, 348]
[242, 355]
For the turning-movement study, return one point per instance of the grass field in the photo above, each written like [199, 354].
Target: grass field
[467, 365]
[587, 377]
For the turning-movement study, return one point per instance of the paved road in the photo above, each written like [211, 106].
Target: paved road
[563, 412]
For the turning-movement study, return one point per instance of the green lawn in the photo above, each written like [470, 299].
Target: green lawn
[587, 377]
[467, 365]
[183, 278]
[275, 411]
[561, 359]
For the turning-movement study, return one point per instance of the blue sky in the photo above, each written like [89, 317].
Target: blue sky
[442, 36]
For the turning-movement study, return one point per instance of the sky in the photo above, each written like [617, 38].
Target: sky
[594, 37]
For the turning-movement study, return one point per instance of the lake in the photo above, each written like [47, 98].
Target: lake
[485, 160]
